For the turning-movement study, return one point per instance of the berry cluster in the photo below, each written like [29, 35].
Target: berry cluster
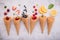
[24, 12]
[35, 13]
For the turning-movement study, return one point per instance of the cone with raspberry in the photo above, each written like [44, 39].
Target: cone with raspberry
[16, 21]
[7, 21]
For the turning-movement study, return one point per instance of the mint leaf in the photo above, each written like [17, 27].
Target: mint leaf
[50, 6]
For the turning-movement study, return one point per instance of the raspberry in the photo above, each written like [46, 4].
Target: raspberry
[35, 9]
[7, 18]
[16, 18]
[5, 13]
[33, 6]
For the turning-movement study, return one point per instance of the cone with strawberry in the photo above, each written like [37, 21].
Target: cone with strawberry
[7, 21]
[42, 18]
[50, 20]
[16, 21]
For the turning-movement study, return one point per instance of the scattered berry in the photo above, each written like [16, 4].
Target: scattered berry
[33, 14]
[35, 9]
[36, 13]
[33, 6]
[24, 6]
[8, 10]
[25, 16]
[5, 13]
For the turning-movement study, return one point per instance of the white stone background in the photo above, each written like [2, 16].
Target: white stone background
[36, 34]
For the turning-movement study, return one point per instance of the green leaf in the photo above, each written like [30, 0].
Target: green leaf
[50, 6]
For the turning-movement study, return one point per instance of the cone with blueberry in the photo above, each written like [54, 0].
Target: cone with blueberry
[7, 21]
[25, 21]
[25, 18]
[16, 21]
[42, 18]
[50, 20]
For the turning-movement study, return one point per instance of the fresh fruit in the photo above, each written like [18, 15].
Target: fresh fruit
[35, 9]
[33, 6]
[25, 16]
[13, 8]
[42, 10]
[8, 10]
[18, 11]
[33, 14]
[17, 18]
[36, 13]
[50, 6]
[7, 18]
[5, 13]
[53, 12]
[34, 17]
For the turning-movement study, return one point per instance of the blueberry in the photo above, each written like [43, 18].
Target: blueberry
[25, 10]
[8, 10]
[25, 16]
[5, 6]
[24, 6]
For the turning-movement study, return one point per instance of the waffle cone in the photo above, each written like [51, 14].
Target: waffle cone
[7, 24]
[32, 24]
[17, 25]
[25, 21]
[42, 22]
[50, 21]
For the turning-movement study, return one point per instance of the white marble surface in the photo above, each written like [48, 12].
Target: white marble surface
[36, 34]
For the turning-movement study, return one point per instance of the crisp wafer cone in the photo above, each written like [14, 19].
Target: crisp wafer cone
[42, 20]
[7, 24]
[25, 21]
[50, 21]
[17, 25]
[32, 24]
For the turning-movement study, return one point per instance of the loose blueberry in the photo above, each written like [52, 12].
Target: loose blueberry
[24, 6]
[8, 10]
[16, 18]
[25, 16]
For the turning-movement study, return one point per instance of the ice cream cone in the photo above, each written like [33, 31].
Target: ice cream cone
[16, 21]
[32, 24]
[42, 20]
[25, 21]
[7, 21]
[50, 21]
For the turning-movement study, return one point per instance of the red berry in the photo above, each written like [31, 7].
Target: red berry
[7, 18]
[17, 18]
[33, 14]
[35, 9]
[5, 13]
[33, 6]
[36, 13]
[34, 17]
